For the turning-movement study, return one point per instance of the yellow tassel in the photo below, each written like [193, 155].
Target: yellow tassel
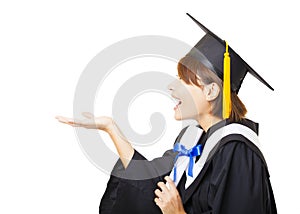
[226, 85]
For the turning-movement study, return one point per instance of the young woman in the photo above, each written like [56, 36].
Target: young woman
[220, 171]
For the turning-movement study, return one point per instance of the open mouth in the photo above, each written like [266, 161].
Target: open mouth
[179, 102]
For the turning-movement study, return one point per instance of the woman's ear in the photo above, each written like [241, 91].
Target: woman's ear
[211, 91]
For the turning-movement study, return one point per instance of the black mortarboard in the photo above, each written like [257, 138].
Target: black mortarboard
[210, 51]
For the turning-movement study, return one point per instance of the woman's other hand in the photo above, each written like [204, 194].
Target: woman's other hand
[168, 198]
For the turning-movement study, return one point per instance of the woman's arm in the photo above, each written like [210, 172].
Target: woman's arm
[106, 124]
[122, 145]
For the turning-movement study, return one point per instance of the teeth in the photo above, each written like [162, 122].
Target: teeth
[177, 101]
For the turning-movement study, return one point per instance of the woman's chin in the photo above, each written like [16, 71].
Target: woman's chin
[177, 116]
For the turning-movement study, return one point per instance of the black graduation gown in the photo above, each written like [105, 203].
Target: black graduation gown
[234, 179]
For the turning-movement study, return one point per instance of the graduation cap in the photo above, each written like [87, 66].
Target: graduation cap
[216, 55]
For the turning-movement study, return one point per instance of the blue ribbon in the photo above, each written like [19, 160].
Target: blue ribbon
[182, 151]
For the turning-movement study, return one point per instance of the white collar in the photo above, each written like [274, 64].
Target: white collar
[182, 162]
[189, 139]
[211, 142]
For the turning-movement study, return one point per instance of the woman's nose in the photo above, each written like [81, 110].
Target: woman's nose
[171, 86]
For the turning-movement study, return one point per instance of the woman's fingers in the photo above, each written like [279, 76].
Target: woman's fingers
[90, 122]
[69, 121]
[158, 193]
[88, 115]
[163, 186]
[170, 183]
[158, 202]
[64, 119]
[168, 198]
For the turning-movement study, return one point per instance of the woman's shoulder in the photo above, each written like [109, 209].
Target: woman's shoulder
[242, 142]
[239, 152]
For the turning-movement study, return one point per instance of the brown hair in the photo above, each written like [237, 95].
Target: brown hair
[188, 70]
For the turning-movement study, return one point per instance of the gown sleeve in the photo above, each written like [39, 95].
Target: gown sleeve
[131, 190]
[240, 182]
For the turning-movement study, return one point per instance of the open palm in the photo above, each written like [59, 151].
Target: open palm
[89, 122]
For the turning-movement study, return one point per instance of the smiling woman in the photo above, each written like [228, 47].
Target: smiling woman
[228, 176]
[194, 72]
[198, 90]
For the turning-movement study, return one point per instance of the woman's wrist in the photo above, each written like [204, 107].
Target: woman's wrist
[124, 148]
[109, 127]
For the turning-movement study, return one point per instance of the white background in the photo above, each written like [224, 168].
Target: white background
[45, 46]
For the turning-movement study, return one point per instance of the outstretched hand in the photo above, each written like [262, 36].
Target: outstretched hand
[168, 198]
[90, 121]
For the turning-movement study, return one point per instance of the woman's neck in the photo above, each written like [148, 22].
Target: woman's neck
[208, 121]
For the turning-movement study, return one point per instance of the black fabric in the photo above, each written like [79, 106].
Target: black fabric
[181, 186]
[126, 193]
[235, 179]
[210, 52]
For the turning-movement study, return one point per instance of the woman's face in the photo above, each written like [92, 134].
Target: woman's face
[191, 100]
